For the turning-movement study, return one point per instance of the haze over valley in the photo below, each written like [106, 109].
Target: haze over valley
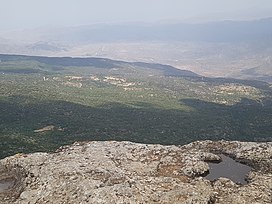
[237, 49]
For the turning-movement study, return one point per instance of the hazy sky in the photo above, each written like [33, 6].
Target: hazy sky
[18, 14]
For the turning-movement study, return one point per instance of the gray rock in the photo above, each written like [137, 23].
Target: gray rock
[125, 172]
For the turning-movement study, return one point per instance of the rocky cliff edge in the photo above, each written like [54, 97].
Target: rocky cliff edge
[125, 172]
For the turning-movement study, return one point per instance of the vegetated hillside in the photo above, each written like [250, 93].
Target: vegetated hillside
[263, 73]
[48, 102]
[22, 64]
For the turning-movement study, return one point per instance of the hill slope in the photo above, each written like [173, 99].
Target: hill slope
[49, 102]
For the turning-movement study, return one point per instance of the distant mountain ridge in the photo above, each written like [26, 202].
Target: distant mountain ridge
[222, 31]
[227, 31]
[235, 49]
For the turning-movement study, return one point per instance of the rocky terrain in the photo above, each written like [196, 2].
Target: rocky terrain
[125, 172]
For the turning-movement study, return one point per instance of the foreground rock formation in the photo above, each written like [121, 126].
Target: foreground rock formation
[125, 172]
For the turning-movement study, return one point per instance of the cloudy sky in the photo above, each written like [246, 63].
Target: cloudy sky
[20, 14]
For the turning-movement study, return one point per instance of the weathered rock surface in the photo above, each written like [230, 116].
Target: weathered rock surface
[125, 172]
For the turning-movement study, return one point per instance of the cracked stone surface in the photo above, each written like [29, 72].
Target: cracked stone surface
[125, 172]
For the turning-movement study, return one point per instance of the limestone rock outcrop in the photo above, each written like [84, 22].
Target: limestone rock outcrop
[126, 172]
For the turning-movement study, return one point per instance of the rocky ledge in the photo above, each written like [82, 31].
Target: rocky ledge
[125, 172]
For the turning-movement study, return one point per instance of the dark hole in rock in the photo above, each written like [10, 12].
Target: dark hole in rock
[228, 168]
[6, 185]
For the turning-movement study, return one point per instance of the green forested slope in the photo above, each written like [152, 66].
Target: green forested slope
[49, 102]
